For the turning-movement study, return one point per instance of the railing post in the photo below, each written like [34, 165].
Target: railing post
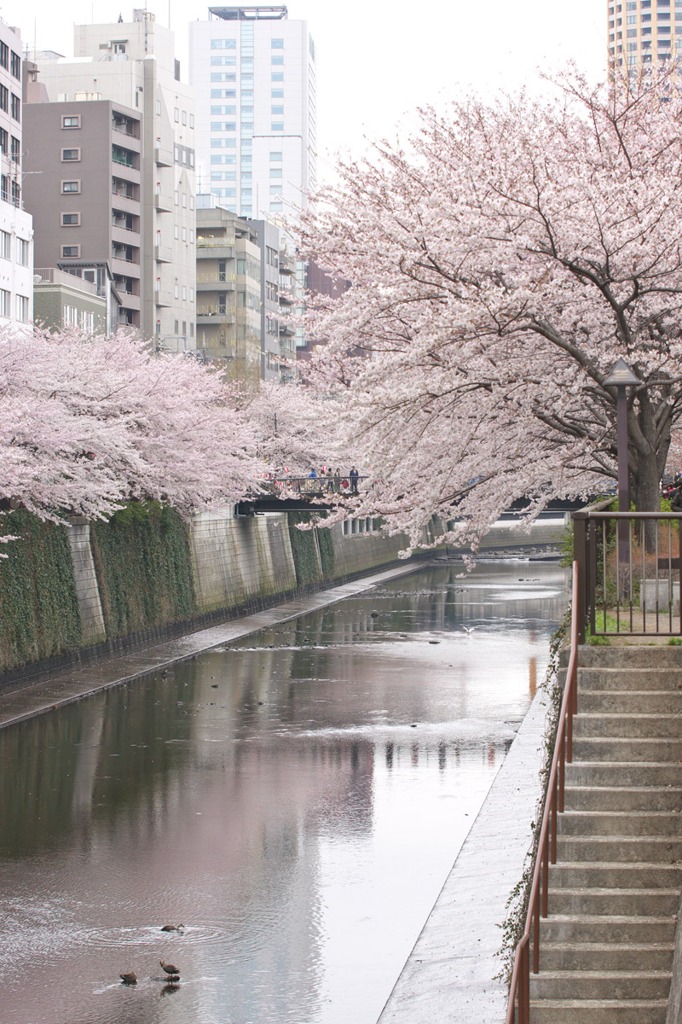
[580, 554]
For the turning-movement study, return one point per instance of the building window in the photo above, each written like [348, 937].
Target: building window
[277, 59]
[71, 121]
[15, 65]
[276, 109]
[4, 55]
[23, 252]
[277, 76]
[71, 251]
[22, 309]
[4, 98]
[70, 316]
[71, 154]
[277, 93]
[277, 126]
[277, 44]
[5, 303]
[275, 172]
[5, 245]
[15, 149]
[71, 186]
[275, 157]
[70, 219]
[16, 108]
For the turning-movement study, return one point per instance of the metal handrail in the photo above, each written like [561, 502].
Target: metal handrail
[518, 1007]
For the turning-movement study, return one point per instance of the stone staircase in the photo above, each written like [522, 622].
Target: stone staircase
[606, 949]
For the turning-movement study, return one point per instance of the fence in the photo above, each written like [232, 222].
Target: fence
[629, 565]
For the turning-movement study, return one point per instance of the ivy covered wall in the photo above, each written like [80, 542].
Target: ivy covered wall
[304, 550]
[144, 569]
[38, 605]
[142, 574]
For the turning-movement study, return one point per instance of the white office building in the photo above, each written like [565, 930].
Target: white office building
[253, 72]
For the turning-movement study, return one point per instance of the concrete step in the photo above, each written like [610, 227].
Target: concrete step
[597, 748]
[623, 773]
[620, 680]
[621, 985]
[642, 656]
[606, 929]
[638, 726]
[606, 798]
[621, 849]
[620, 823]
[652, 702]
[591, 1011]
[609, 875]
[623, 902]
[582, 956]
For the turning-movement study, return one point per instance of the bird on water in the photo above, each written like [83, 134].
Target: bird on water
[171, 970]
[128, 978]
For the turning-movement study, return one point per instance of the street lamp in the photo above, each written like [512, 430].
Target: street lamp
[622, 376]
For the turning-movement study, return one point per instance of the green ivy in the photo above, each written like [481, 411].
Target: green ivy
[143, 563]
[326, 544]
[38, 604]
[304, 550]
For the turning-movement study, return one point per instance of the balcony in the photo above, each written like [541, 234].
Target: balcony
[216, 314]
[214, 248]
[163, 297]
[163, 202]
[163, 155]
[215, 282]
[163, 253]
[287, 264]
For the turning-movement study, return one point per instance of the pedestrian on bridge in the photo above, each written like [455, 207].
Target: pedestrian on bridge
[353, 477]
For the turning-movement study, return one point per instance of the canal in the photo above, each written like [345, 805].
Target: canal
[295, 800]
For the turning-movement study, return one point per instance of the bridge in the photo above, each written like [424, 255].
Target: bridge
[305, 494]
[297, 494]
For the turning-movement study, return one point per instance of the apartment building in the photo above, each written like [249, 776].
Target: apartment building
[642, 33]
[16, 226]
[83, 188]
[131, 65]
[228, 291]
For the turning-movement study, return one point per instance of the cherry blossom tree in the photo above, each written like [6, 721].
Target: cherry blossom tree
[294, 427]
[502, 259]
[89, 422]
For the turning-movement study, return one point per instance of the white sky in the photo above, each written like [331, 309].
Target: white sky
[379, 59]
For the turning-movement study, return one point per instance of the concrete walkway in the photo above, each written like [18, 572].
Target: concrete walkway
[450, 974]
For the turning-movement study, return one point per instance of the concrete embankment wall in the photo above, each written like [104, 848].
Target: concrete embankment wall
[93, 589]
[90, 590]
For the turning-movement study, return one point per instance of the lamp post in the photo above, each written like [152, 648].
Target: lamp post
[622, 376]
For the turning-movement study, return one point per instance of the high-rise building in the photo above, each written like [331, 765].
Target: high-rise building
[150, 181]
[642, 33]
[253, 71]
[16, 227]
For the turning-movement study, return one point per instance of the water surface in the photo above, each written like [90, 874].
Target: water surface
[296, 800]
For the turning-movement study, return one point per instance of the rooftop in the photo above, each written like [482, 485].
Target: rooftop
[248, 13]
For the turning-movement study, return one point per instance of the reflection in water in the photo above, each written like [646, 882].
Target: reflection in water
[296, 799]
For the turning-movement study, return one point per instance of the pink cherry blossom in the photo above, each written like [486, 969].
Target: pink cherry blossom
[501, 260]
